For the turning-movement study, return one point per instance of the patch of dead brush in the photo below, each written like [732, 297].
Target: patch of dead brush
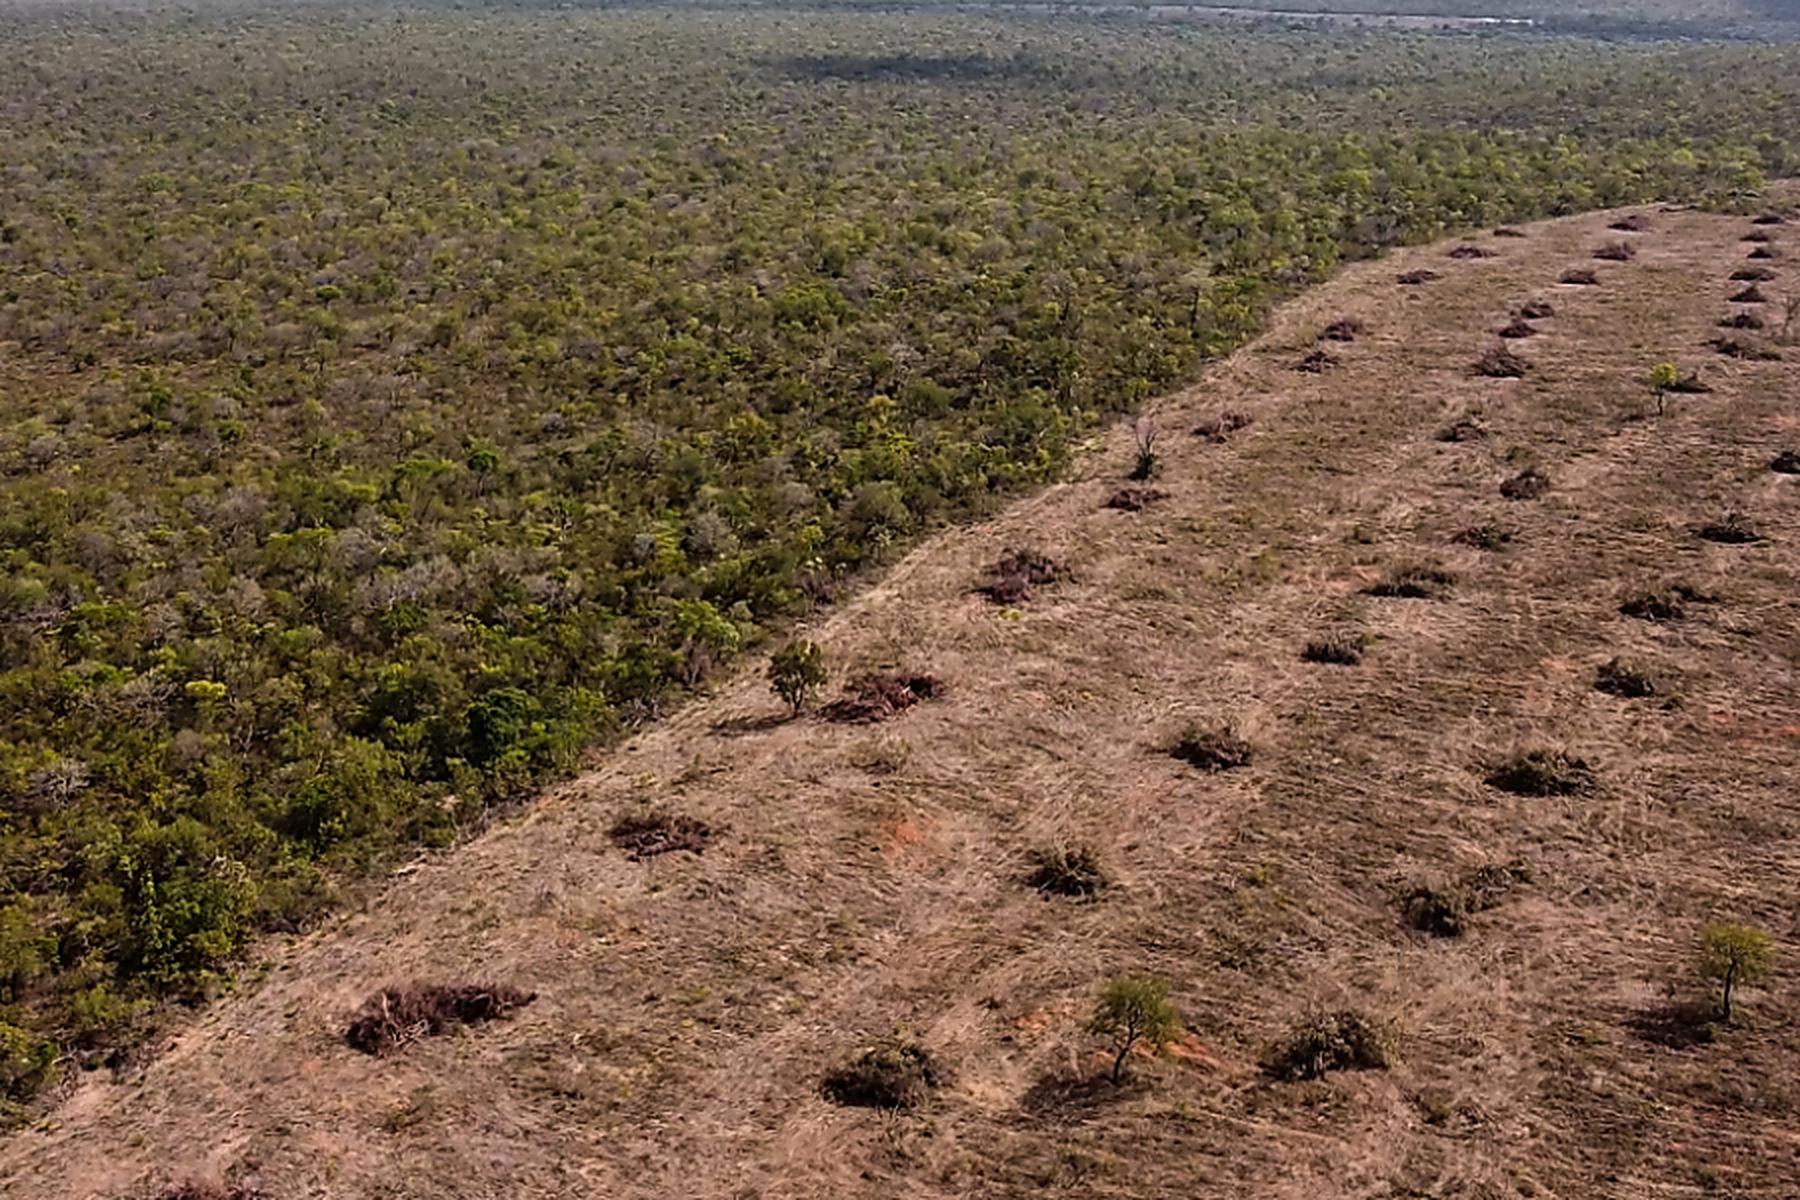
[1483, 537]
[1733, 529]
[1443, 910]
[873, 698]
[1074, 872]
[1219, 428]
[1529, 484]
[1617, 677]
[1135, 499]
[1212, 750]
[895, 1075]
[1340, 1041]
[1416, 581]
[1543, 772]
[1616, 252]
[1415, 278]
[1500, 363]
[1317, 362]
[646, 835]
[1580, 277]
[1019, 574]
[1344, 329]
[395, 1016]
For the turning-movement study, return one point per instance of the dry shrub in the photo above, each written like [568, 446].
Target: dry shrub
[1528, 484]
[1415, 278]
[397, 1015]
[1581, 277]
[1217, 749]
[1483, 537]
[1752, 275]
[1344, 329]
[1616, 252]
[1466, 251]
[646, 835]
[1543, 772]
[1340, 1041]
[1758, 235]
[1443, 911]
[1750, 295]
[1786, 463]
[1537, 310]
[1517, 328]
[1067, 871]
[1635, 223]
[1619, 678]
[1018, 575]
[1317, 362]
[1412, 582]
[1507, 231]
[1733, 529]
[894, 1075]
[1135, 499]
[1463, 429]
[873, 698]
[1732, 347]
[1763, 253]
[1219, 428]
[1664, 603]
[1340, 650]
[1742, 320]
[1769, 219]
[1500, 363]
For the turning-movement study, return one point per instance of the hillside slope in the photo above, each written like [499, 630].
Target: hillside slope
[866, 878]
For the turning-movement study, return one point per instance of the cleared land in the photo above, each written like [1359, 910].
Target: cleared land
[864, 878]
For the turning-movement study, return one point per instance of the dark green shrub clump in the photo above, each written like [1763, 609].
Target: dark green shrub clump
[1339, 1041]
[894, 1075]
[1543, 773]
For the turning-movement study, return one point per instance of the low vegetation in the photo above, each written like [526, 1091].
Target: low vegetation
[1218, 748]
[1070, 871]
[1339, 1041]
[1543, 772]
[398, 1015]
[1413, 581]
[1443, 910]
[796, 673]
[897, 1074]
[647, 835]
[1019, 575]
[1338, 649]
[876, 697]
[1619, 678]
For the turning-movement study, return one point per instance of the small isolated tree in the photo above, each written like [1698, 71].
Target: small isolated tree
[1145, 434]
[1134, 1009]
[1662, 380]
[797, 672]
[1733, 954]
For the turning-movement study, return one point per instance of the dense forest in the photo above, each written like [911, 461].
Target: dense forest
[398, 401]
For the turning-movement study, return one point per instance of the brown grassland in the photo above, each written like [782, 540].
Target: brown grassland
[861, 879]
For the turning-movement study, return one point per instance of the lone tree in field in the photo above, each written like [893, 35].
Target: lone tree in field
[797, 672]
[1132, 1010]
[1733, 954]
[1662, 380]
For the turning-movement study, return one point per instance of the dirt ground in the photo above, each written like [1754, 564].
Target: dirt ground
[863, 880]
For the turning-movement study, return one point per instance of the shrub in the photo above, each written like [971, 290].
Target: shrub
[1467, 251]
[1750, 295]
[646, 835]
[1415, 278]
[1752, 275]
[1742, 320]
[872, 698]
[1135, 499]
[1758, 235]
[1219, 428]
[1344, 329]
[1762, 253]
[1769, 219]
[1144, 435]
[1659, 604]
[1732, 347]
[1500, 363]
[1339, 1041]
[1131, 1010]
[1616, 252]
[1537, 310]
[1731, 955]
[1528, 484]
[1517, 328]
[397, 1015]
[1342, 650]
[1317, 362]
[1617, 678]
[1067, 871]
[1463, 429]
[1482, 537]
[1414, 582]
[1733, 529]
[26, 1063]
[1543, 772]
[1786, 463]
[1017, 576]
[895, 1075]
[1219, 749]
[1443, 911]
[1635, 223]
[1580, 277]
[1507, 231]
[796, 673]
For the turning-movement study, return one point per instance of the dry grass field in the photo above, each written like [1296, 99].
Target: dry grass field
[860, 881]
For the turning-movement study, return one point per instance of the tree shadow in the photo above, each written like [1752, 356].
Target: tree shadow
[1676, 1024]
[1074, 1098]
[737, 727]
